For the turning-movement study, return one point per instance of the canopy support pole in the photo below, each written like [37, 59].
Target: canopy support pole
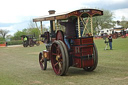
[36, 25]
[38, 29]
[91, 26]
[78, 20]
[41, 27]
[57, 25]
[54, 25]
[85, 25]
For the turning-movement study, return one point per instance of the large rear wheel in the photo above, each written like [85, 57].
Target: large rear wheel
[60, 35]
[59, 58]
[31, 44]
[25, 44]
[95, 57]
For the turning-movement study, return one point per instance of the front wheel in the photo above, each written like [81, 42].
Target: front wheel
[42, 61]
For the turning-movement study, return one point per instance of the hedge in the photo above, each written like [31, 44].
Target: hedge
[14, 42]
[2, 42]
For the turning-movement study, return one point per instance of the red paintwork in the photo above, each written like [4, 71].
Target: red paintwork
[124, 36]
[83, 63]
[76, 41]
[2, 45]
[83, 47]
[88, 63]
[46, 52]
[60, 35]
[53, 39]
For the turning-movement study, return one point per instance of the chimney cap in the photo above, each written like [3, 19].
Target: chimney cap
[51, 11]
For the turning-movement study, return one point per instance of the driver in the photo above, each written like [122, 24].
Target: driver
[70, 31]
[25, 39]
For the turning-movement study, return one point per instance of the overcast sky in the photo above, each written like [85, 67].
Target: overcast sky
[16, 14]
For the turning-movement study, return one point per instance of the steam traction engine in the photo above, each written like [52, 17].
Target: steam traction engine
[83, 52]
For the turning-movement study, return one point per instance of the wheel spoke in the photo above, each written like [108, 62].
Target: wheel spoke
[41, 60]
[55, 45]
[57, 50]
[59, 71]
[58, 58]
[60, 55]
[54, 54]
[60, 66]
[56, 64]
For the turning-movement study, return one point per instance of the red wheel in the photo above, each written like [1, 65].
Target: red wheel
[59, 58]
[67, 57]
[95, 55]
[60, 35]
[42, 61]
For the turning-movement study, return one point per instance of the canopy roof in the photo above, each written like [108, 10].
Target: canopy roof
[77, 13]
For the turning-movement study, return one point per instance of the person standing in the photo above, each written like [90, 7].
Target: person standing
[110, 41]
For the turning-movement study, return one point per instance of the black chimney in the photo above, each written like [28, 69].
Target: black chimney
[51, 23]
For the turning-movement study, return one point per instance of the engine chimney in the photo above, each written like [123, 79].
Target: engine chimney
[52, 23]
[51, 12]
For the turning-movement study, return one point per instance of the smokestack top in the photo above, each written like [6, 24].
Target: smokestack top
[51, 11]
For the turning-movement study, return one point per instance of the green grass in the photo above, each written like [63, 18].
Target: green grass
[19, 66]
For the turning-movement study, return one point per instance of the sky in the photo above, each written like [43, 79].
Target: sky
[17, 14]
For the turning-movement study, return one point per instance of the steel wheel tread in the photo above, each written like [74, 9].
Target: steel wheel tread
[57, 46]
[66, 54]
[42, 61]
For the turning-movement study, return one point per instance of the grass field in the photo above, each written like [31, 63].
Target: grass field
[19, 66]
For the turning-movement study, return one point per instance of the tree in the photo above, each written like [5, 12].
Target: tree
[123, 18]
[18, 34]
[34, 31]
[31, 24]
[31, 30]
[3, 33]
[124, 23]
[105, 21]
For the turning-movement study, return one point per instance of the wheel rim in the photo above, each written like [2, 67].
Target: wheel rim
[58, 58]
[42, 62]
[66, 55]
